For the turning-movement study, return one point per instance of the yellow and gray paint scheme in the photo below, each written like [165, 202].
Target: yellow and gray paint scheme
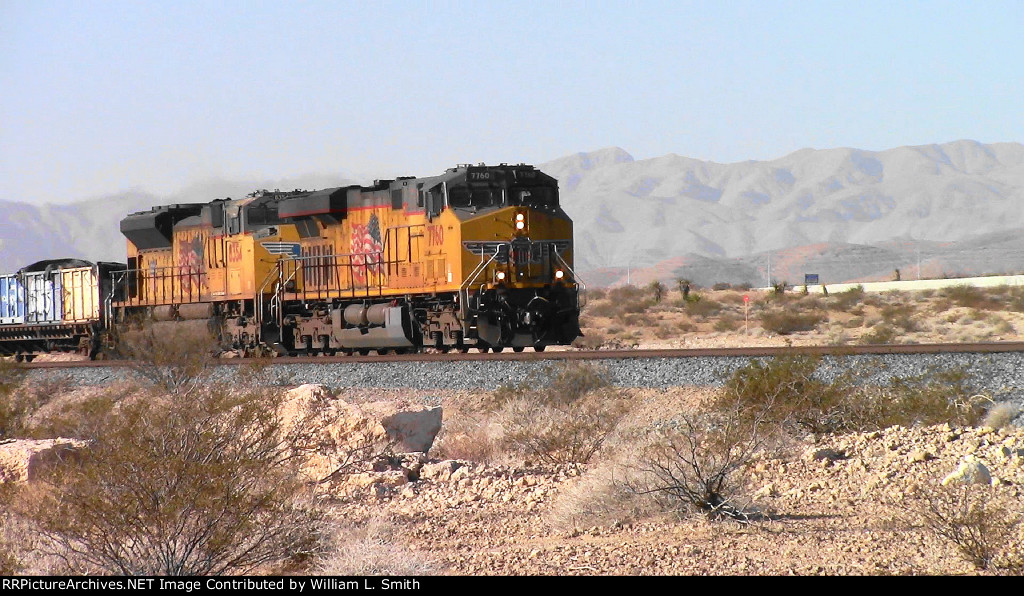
[480, 256]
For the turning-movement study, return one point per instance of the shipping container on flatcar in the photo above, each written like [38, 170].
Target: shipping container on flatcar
[12, 300]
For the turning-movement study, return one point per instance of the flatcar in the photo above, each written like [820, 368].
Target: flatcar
[478, 257]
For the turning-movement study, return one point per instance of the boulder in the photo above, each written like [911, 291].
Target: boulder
[22, 460]
[970, 471]
[335, 437]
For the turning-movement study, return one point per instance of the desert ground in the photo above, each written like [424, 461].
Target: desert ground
[524, 481]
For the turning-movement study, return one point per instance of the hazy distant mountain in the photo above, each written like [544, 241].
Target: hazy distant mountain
[843, 213]
[639, 213]
[90, 229]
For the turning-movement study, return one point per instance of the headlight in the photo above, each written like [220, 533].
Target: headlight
[559, 274]
[500, 275]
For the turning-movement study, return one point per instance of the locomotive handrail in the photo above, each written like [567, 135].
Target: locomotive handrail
[581, 293]
[476, 273]
[156, 292]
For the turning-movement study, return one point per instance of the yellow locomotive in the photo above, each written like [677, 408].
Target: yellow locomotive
[480, 256]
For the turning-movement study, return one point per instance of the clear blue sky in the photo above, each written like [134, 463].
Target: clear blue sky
[99, 97]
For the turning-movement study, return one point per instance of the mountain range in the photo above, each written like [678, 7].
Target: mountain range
[845, 214]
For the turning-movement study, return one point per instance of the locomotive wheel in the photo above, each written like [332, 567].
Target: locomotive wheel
[539, 348]
[347, 351]
[399, 351]
[517, 349]
[364, 351]
[382, 351]
[497, 349]
[464, 349]
[482, 349]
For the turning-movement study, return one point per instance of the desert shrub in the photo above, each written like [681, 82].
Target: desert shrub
[16, 405]
[686, 326]
[937, 396]
[562, 414]
[624, 294]
[731, 298]
[1015, 300]
[1000, 325]
[698, 306]
[786, 321]
[596, 293]
[809, 302]
[83, 419]
[968, 297]
[193, 485]
[727, 323]
[1001, 415]
[697, 461]
[787, 392]
[847, 299]
[900, 315]
[373, 549]
[665, 331]
[657, 290]
[881, 333]
[721, 286]
[634, 307]
[473, 438]
[602, 497]
[10, 562]
[173, 358]
[593, 340]
[633, 320]
[854, 322]
[985, 527]
[601, 309]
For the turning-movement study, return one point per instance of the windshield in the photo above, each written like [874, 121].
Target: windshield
[540, 196]
[463, 197]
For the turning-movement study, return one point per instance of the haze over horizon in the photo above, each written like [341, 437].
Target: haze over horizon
[120, 96]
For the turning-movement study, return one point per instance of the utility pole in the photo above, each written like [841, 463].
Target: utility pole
[769, 269]
[918, 261]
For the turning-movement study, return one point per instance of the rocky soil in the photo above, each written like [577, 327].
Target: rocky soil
[841, 505]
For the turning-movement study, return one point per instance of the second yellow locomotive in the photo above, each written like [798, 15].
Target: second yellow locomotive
[480, 256]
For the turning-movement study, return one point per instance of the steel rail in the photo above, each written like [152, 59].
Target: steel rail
[745, 352]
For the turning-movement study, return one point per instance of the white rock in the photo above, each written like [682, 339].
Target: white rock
[970, 471]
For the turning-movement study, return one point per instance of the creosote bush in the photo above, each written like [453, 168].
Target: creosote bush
[172, 358]
[175, 485]
[696, 461]
[373, 548]
[985, 527]
[15, 404]
[786, 391]
[561, 415]
[786, 321]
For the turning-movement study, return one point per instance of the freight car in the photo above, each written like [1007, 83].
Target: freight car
[478, 257]
[55, 306]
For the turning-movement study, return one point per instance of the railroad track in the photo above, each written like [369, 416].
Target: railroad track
[748, 352]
